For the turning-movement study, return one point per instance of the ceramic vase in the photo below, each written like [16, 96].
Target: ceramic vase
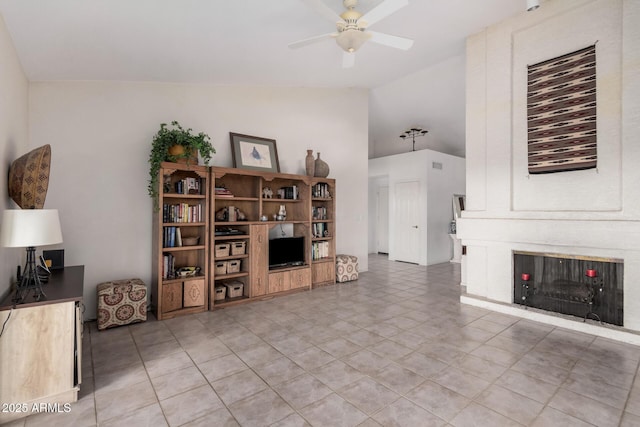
[321, 168]
[310, 163]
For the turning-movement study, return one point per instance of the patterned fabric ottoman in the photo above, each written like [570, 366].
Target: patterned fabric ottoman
[121, 302]
[346, 268]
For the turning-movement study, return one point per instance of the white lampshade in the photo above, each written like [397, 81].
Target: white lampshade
[532, 5]
[30, 227]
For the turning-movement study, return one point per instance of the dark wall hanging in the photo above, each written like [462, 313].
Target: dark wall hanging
[561, 113]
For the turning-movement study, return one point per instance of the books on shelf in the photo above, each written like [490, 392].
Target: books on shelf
[168, 266]
[190, 185]
[320, 230]
[222, 192]
[321, 191]
[288, 192]
[319, 212]
[172, 237]
[182, 212]
[319, 250]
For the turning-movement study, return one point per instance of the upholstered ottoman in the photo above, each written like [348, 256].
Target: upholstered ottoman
[121, 302]
[346, 268]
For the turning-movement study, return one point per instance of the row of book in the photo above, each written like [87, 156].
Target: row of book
[172, 237]
[321, 190]
[319, 212]
[320, 230]
[182, 212]
[168, 266]
[319, 250]
[188, 186]
[290, 192]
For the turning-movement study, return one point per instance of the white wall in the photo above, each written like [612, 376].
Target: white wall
[433, 97]
[14, 92]
[437, 187]
[593, 212]
[101, 133]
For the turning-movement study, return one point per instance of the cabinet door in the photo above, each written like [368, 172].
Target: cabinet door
[324, 272]
[171, 297]
[259, 259]
[279, 282]
[193, 293]
[301, 278]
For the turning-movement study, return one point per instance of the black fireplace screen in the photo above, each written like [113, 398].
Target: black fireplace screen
[580, 287]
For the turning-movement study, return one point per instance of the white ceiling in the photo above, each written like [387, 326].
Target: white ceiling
[232, 42]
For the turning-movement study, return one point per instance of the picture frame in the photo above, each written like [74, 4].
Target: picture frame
[254, 153]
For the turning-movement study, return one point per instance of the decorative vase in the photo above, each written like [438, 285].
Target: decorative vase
[309, 163]
[282, 213]
[321, 168]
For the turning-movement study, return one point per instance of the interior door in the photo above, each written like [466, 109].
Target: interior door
[407, 217]
[382, 221]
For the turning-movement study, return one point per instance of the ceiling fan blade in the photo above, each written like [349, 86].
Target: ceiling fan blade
[348, 60]
[311, 40]
[323, 10]
[383, 10]
[391, 41]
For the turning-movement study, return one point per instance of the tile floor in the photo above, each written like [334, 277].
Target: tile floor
[395, 348]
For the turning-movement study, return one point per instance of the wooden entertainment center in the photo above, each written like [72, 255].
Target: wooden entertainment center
[231, 212]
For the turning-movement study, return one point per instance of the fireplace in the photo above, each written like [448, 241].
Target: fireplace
[585, 287]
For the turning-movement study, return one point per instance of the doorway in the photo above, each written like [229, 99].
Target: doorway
[407, 219]
[382, 220]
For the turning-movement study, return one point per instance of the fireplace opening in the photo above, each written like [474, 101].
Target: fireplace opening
[585, 287]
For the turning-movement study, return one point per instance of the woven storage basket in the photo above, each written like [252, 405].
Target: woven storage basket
[222, 249]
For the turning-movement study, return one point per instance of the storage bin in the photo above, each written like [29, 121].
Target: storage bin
[233, 266]
[235, 288]
[238, 248]
[222, 249]
[220, 292]
[221, 267]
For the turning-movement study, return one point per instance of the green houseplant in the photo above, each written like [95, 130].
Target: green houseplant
[173, 144]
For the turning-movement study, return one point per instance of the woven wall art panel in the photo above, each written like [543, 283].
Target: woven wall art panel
[561, 113]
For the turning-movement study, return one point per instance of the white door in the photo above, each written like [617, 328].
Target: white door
[407, 215]
[382, 221]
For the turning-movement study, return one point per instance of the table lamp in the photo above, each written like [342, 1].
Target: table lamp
[30, 228]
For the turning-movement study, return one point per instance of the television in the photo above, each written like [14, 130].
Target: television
[286, 252]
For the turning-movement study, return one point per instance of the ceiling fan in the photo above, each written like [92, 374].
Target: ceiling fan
[352, 26]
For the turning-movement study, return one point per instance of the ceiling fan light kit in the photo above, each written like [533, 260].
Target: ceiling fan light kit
[352, 25]
[532, 5]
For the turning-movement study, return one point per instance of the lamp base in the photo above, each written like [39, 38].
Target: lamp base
[29, 280]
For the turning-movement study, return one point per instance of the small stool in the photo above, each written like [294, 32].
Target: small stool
[121, 302]
[346, 268]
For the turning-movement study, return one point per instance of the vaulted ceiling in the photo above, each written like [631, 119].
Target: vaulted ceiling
[232, 42]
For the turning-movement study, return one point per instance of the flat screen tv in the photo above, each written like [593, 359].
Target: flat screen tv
[286, 252]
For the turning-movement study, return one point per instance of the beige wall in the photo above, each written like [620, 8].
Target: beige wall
[101, 134]
[593, 212]
[14, 91]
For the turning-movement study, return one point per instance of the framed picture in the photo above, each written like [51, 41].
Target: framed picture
[254, 153]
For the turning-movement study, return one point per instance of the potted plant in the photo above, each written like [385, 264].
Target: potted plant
[174, 144]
